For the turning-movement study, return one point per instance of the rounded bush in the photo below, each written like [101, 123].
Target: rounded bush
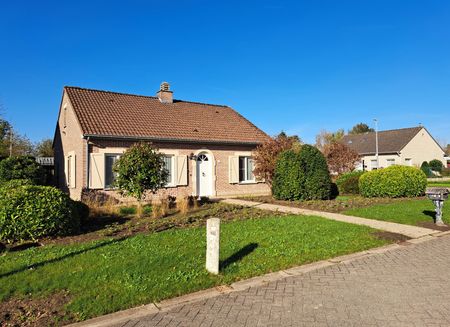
[436, 165]
[425, 167]
[393, 182]
[31, 212]
[13, 183]
[348, 183]
[288, 181]
[21, 167]
[301, 175]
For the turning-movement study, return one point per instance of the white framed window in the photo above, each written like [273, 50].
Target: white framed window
[169, 165]
[390, 162]
[408, 162]
[246, 170]
[373, 164]
[110, 175]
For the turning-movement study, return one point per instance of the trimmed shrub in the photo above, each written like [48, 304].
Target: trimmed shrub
[22, 167]
[288, 180]
[425, 167]
[436, 165]
[13, 183]
[348, 183]
[393, 182]
[31, 212]
[301, 175]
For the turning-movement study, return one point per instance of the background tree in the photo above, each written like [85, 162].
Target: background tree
[21, 145]
[140, 169]
[360, 128]
[340, 158]
[266, 155]
[5, 128]
[44, 148]
[325, 138]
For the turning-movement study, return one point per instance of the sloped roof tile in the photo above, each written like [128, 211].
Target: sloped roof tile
[390, 141]
[111, 114]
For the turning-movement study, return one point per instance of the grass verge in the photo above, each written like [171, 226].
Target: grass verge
[109, 275]
[417, 212]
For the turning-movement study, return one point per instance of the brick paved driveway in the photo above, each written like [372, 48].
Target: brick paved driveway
[405, 287]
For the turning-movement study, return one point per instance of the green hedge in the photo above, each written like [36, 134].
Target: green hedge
[31, 212]
[393, 182]
[425, 167]
[301, 175]
[21, 167]
[436, 165]
[348, 183]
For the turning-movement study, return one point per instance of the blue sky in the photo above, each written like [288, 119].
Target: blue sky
[298, 66]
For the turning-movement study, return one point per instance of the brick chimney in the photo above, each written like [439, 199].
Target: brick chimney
[164, 94]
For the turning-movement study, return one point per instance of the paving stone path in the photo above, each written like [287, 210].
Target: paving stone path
[410, 231]
[406, 286]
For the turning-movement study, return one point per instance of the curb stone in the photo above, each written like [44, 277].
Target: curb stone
[153, 308]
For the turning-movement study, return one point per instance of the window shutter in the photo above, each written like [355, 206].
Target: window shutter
[73, 167]
[233, 173]
[181, 173]
[66, 176]
[97, 171]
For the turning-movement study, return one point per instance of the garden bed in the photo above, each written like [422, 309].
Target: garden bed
[103, 276]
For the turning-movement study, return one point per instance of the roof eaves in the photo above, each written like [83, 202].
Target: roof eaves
[162, 139]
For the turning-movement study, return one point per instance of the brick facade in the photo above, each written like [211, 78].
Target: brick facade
[220, 154]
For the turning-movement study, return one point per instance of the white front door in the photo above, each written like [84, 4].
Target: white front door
[204, 175]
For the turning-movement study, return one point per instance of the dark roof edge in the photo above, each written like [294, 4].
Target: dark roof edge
[161, 139]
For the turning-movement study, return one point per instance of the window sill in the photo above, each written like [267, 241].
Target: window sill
[169, 186]
[247, 182]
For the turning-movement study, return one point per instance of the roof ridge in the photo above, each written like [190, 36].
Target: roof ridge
[143, 96]
[384, 131]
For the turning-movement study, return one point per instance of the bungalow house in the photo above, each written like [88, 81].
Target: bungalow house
[207, 148]
[406, 146]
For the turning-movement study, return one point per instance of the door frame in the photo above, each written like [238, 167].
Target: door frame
[195, 178]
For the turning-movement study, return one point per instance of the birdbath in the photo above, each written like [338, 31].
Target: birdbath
[438, 195]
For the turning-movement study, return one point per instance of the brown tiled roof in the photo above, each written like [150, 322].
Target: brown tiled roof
[391, 141]
[110, 114]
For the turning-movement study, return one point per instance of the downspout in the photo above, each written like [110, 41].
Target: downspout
[87, 163]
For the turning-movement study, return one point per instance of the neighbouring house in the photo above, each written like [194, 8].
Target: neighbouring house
[406, 146]
[208, 148]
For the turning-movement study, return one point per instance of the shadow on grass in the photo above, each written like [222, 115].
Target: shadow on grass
[238, 256]
[101, 222]
[65, 256]
[430, 213]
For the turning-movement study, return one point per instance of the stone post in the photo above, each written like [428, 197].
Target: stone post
[212, 245]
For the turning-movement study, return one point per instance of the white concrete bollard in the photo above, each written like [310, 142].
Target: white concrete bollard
[212, 245]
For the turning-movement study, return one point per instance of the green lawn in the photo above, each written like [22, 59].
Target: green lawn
[109, 275]
[439, 184]
[409, 212]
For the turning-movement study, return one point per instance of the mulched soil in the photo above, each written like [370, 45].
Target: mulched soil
[392, 237]
[432, 225]
[35, 312]
[337, 205]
